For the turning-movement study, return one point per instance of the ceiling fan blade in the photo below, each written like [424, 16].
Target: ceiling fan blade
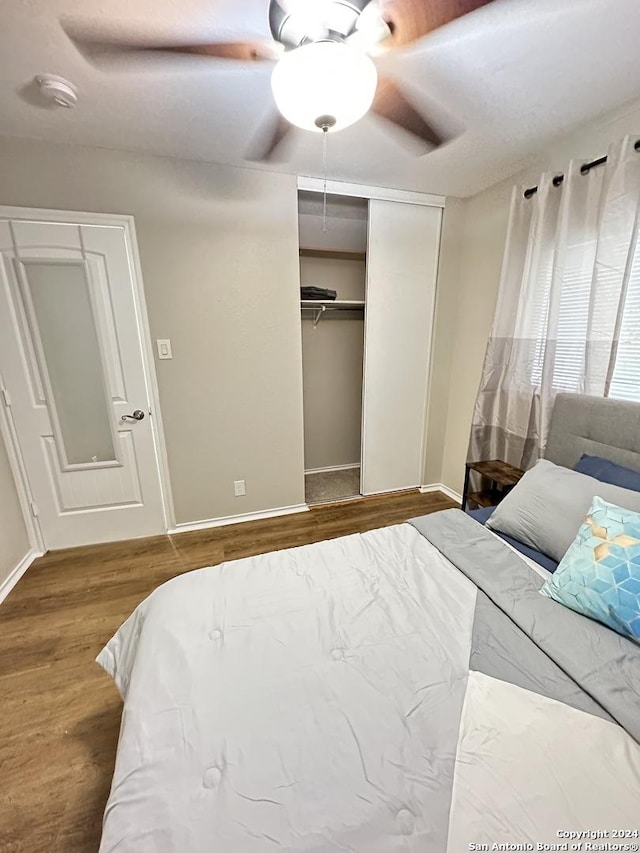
[270, 141]
[410, 20]
[248, 51]
[371, 33]
[389, 103]
[103, 47]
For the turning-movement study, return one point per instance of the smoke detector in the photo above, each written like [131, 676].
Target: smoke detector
[57, 90]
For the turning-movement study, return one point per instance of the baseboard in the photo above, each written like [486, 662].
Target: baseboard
[8, 584]
[237, 519]
[440, 487]
[332, 468]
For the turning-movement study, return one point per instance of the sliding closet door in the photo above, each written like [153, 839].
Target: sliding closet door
[402, 257]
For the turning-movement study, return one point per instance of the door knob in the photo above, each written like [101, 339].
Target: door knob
[138, 415]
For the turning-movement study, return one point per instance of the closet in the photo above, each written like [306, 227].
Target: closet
[332, 256]
[366, 352]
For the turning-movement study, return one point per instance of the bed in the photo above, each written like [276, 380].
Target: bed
[402, 690]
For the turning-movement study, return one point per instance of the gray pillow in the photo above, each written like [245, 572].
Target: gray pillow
[547, 507]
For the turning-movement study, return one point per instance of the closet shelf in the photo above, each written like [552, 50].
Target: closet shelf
[334, 254]
[322, 306]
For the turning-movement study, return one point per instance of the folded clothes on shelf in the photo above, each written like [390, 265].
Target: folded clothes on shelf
[319, 293]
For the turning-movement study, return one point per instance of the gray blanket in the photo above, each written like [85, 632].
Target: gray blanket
[524, 638]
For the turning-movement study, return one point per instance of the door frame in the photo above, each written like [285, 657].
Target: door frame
[7, 426]
[345, 188]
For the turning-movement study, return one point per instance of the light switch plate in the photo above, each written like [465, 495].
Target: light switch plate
[164, 348]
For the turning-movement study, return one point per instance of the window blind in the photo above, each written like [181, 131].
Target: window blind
[567, 347]
[625, 383]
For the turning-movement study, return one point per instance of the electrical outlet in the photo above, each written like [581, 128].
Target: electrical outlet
[239, 488]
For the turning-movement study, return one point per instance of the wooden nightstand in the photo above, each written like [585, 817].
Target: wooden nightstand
[501, 476]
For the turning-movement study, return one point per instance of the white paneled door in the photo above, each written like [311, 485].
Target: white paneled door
[76, 387]
[402, 262]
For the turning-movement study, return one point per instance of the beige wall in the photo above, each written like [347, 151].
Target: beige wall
[481, 242]
[332, 367]
[445, 319]
[219, 255]
[345, 227]
[471, 259]
[342, 235]
[14, 542]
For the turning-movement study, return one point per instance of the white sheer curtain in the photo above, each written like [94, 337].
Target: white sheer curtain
[568, 311]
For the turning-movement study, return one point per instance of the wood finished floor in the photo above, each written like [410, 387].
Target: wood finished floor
[60, 713]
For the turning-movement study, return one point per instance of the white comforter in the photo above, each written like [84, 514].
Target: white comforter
[305, 700]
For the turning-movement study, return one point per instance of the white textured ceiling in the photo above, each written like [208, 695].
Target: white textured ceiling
[517, 73]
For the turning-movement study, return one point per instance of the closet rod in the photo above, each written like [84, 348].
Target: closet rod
[320, 307]
[585, 169]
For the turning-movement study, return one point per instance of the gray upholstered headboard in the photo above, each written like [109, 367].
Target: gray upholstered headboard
[597, 426]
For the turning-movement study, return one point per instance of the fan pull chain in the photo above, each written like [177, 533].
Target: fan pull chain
[325, 134]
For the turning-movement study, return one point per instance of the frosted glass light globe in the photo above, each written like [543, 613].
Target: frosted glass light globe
[321, 79]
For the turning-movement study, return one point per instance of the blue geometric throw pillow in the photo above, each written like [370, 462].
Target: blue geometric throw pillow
[599, 576]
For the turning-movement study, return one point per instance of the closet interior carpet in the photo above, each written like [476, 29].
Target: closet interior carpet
[332, 485]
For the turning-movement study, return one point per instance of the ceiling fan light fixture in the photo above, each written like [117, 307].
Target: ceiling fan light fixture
[324, 79]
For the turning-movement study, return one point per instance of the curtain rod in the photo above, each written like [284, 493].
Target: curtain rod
[584, 170]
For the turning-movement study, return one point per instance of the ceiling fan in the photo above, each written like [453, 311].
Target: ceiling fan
[323, 52]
